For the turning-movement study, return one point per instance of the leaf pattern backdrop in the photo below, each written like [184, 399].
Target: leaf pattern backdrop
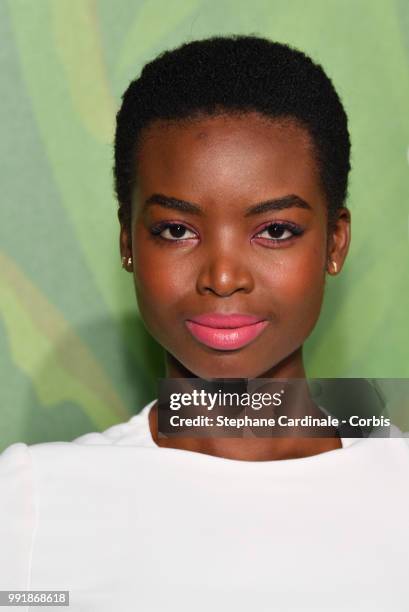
[74, 354]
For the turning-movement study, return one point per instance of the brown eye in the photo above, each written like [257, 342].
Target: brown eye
[277, 231]
[173, 232]
[176, 231]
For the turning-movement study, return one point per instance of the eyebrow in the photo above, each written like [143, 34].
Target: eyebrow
[288, 201]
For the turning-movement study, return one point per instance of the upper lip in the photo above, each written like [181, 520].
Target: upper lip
[227, 321]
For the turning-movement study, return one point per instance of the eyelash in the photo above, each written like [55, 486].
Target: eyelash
[295, 230]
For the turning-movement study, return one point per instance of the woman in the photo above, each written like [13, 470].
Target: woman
[231, 171]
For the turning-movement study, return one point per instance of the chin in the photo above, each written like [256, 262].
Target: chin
[223, 365]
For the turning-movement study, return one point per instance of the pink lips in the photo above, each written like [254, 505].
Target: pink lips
[225, 332]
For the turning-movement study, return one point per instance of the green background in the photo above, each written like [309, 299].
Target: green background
[74, 355]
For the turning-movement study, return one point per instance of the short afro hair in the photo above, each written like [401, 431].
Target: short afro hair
[235, 74]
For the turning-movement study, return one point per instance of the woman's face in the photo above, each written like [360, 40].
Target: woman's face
[230, 217]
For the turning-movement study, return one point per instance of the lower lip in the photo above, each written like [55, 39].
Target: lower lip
[226, 339]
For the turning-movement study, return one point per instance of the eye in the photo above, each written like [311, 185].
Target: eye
[279, 232]
[173, 232]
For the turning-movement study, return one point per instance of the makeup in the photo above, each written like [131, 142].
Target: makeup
[226, 332]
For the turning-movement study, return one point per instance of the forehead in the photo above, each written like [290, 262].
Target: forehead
[228, 157]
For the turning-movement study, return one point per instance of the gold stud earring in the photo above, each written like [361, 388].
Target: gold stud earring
[335, 266]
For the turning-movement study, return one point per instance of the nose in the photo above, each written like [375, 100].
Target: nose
[224, 274]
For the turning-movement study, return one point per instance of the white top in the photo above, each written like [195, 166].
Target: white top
[126, 525]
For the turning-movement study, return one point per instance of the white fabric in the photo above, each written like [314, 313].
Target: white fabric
[125, 525]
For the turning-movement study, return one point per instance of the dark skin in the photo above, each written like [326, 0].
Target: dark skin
[226, 260]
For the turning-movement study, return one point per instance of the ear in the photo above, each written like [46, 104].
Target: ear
[125, 244]
[339, 240]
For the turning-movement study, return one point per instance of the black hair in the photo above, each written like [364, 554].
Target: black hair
[235, 74]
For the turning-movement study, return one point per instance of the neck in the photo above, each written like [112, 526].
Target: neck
[249, 449]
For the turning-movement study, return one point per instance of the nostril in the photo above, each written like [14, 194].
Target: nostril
[222, 279]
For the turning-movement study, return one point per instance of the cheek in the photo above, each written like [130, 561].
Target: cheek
[160, 288]
[155, 276]
[295, 281]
